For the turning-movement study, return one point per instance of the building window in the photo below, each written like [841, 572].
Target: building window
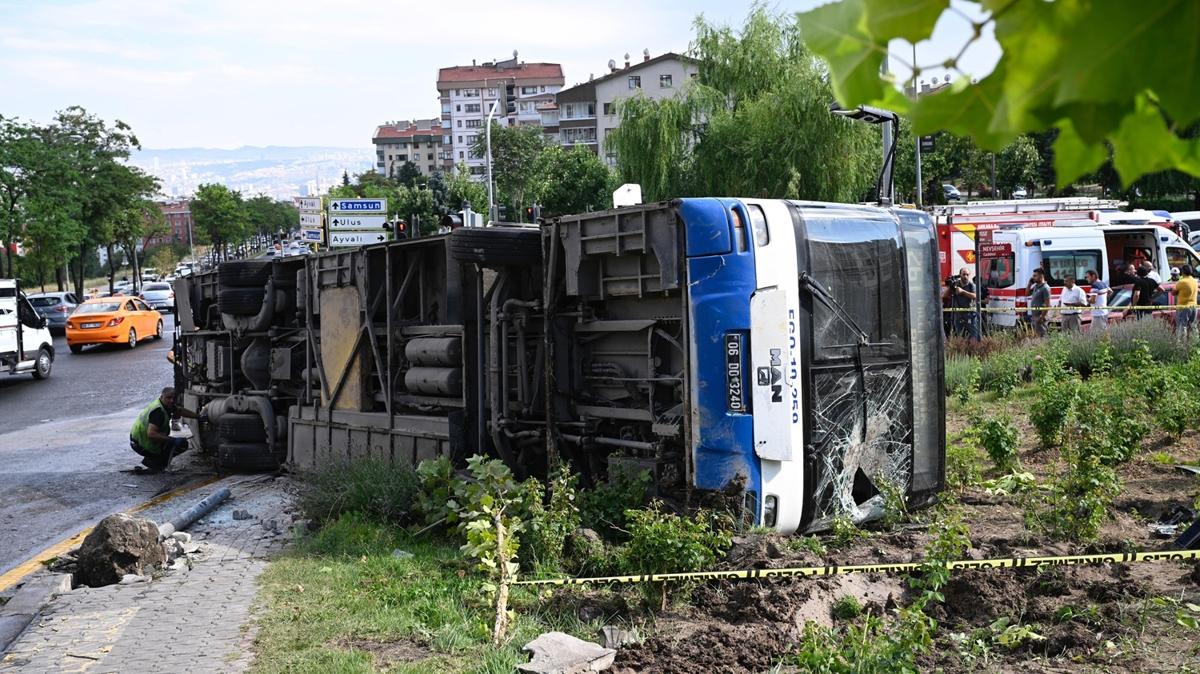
[459, 123]
[664, 82]
[445, 108]
[431, 168]
[472, 107]
[430, 157]
[491, 92]
[445, 140]
[528, 91]
[474, 123]
[635, 81]
[460, 139]
[416, 146]
[458, 92]
[458, 108]
[591, 108]
[471, 93]
[401, 157]
[477, 170]
[460, 154]
[608, 108]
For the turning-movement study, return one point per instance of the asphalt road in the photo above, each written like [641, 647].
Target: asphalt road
[64, 442]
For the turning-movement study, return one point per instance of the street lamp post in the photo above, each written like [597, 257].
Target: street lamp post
[885, 184]
[488, 139]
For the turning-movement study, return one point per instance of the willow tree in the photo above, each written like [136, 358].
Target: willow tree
[755, 121]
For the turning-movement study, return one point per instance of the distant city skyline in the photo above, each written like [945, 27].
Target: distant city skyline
[226, 74]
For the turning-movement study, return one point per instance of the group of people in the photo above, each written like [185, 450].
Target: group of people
[961, 292]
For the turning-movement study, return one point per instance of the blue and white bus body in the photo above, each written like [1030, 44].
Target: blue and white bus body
[810, 438]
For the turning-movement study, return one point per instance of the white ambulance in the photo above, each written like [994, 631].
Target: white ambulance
[1072, 248]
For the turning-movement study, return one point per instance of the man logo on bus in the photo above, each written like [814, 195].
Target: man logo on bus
[772, 375]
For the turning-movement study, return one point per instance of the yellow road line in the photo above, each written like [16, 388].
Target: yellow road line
[18, 573]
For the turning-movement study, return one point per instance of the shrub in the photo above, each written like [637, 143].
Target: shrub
[1175, 413]
[1136, 343]
[962, 462]
[1079, 499]
[1002, 373]
[603, 508]
[962, 376]
[1050, 411]
[661, 542]
[435, 499]
[846, 608]
[998, 437]
[549, 524]
[376, 489]
[1051, 360]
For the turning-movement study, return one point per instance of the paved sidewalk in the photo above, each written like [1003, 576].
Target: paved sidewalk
[190, 620]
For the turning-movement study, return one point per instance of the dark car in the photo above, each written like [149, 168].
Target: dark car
[54, 307]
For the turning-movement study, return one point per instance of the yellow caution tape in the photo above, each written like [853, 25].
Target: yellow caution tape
[835, 570]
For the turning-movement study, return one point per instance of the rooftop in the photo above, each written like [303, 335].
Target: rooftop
[500, 70]
[407, 129]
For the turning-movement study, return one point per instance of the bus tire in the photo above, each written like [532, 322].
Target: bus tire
[497, 246]
[244, 273]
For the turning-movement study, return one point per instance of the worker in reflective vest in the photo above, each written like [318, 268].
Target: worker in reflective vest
[151, 437]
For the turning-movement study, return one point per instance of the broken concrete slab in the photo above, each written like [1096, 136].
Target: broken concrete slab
[119, 545]
[182, 536]
[561, 653]
[241, 514]
[131, 578]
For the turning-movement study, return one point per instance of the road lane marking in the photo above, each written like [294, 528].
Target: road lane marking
[19, 572]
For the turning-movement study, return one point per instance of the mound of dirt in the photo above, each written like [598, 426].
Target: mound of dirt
[976, 597]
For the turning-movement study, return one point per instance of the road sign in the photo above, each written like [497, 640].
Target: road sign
[995, 249]
[312, 235]
[928, 144]
[358, 206]
[308, 203]
[310, 219]
[344, 239]
[376, 222]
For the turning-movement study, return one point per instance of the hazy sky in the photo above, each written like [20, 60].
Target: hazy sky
[226, 73]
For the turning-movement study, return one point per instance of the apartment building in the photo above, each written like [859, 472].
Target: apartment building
[177, 214]
[587, 112]
[467, 93]
[423, 142]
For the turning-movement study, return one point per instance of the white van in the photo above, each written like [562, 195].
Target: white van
[1072, 247]
[26, 345]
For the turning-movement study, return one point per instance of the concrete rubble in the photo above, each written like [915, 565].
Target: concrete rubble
[561, 653]
[612, 636]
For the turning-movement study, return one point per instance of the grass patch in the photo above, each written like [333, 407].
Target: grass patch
[343, 585]
[381, 491]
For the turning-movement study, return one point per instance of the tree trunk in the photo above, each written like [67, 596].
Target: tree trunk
[82, 264]
[133, 261]
[60, 277]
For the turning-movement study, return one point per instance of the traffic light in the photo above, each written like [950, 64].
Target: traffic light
[401, 229]
[510, 99]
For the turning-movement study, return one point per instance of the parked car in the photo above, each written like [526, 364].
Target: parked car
[54, 307]
[1019, 193]
[112, 320]
[159, 296]
[951, 193]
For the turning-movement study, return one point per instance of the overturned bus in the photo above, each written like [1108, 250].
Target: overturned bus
[786, 353]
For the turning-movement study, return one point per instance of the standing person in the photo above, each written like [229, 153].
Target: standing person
[1072, 296]
[963, 297]
[1144, 290]
[1039, 299]
[1185, 297]
[1098, 298]
[1123, 275]
[150, 435]
[1150, 271]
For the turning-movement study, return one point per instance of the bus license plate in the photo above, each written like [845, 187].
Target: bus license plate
[735, 392]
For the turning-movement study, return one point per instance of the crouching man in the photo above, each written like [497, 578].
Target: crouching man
[151, 437]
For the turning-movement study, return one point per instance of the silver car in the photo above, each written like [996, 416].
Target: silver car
[158, 295]
[54, 307]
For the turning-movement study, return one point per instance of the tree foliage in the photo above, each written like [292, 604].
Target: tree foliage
[220, 213]
[1018, 165]
[572, 181]
[515, 150]
[755, 122]
[1105, 74]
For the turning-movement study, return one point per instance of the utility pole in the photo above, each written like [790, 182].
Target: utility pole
[916, 138]
[490, 189]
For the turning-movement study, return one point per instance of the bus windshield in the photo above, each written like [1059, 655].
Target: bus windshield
[861, 265]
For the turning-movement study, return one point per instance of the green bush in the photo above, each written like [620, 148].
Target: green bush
[550, 523]
[1051, 360]
[603, 507]
[1136, 343]
[376, 489]
[662, 542]
[435, 498]
[962, 376]
[1079, 499]
[998, 437]
[962, 462]
[1050, 411]
[846, 608]
[1002, 373]
[1176, 413]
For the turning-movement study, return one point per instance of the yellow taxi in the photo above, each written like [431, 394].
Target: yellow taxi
[112, 320]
